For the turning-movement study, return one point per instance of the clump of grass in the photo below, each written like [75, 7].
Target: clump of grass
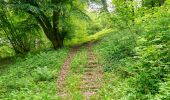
[43, 74]
[73, 81]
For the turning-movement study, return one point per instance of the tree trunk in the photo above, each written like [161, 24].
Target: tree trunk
[104, 2]
[58, 42]
[51, 30]
[133, 12]
[55, 39]
[162, 2]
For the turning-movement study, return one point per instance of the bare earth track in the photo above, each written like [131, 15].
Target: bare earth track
[91, 79]
[92, 75]
[64, 72]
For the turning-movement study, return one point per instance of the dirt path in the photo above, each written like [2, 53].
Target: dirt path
[91, 80]
[92, 75]
[62, 92]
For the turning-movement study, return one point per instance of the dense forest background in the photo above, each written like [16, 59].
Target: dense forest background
[132, 46]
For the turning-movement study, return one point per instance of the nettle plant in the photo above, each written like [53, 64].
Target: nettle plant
[153, 51]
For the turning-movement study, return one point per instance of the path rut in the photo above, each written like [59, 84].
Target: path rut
[62, 92]
[92, 75]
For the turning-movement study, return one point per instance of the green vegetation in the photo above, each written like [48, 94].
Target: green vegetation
[137, 66]
[131, 40]
[74, 77]
[32, 77]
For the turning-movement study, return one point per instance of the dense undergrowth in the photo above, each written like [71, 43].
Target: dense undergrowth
[33, 77]
[137, 66]
[116, 57]
[128, 75]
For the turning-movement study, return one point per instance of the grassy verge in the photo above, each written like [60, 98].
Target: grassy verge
[73, 81]
[114, 52]
[96, 36]
[33, 77]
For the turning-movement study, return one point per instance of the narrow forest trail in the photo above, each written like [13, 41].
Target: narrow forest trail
[92, 78]
[62, 92]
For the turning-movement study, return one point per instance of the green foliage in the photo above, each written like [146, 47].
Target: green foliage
[124, 16]
[140, 61]
[164, 91]
[79, 61]
[32, 77]
[43, 74]
[114, 89]
[153, 52]
[5, 51]
[135, 53]
[73, 80]
[114, 50]
[20, 30]
[152, 3]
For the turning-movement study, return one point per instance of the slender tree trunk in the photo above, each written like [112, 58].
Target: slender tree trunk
[133, 12]
[58, 40]
[104, 2]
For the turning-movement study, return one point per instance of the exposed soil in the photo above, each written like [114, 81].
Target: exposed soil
[92, 75]
[64, 72]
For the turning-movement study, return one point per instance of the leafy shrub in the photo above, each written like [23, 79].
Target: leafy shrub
[115, 47]
[43, 74]
[164, 91]
[32, 77]
[153, 53]
[142, 61]
[6, 51]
